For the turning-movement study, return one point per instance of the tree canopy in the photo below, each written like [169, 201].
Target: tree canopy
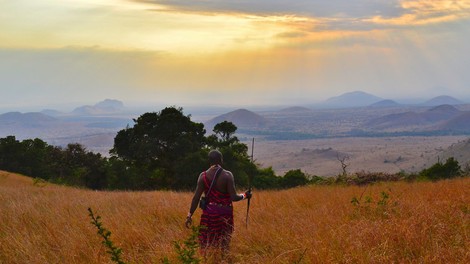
[162, 150]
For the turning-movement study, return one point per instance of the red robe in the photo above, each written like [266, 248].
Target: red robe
[216, 224]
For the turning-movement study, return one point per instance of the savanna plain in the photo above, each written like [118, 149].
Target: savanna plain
[319, 157]
[399, 222]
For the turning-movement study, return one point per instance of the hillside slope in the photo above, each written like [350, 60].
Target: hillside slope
[8, 179]
[317, 224]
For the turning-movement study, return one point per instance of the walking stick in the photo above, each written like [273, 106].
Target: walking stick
[249, 183]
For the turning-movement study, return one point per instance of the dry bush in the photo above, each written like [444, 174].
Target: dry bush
[364, 178]
[420, 223]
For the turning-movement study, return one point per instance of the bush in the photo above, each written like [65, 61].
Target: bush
[294, 178]
[266, 179]
[449, 169]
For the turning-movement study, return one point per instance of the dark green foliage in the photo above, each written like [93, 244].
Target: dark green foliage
[114, 251]
[166, 150]
[449, 169]
[367, 207]
[187, 250]
[266, 179]
[294, 178]
[35, 158]
[31, 157]
[159, 143]
[226, 130]
[235, 154]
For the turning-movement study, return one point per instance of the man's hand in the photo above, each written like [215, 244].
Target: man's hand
[248, 194]
[189, 221]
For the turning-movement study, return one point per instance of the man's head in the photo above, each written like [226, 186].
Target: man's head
[215, 157]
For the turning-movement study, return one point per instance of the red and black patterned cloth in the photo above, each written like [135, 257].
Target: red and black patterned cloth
[217, 219]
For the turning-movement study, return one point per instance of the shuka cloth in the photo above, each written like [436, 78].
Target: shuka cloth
[216, 224]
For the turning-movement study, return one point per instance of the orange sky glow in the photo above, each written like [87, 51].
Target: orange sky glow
[280, 52]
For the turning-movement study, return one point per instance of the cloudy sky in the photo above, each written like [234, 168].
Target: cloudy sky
[220, 52]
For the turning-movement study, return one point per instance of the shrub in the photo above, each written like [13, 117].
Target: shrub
[294, 178]
[114, 251]
[449, 169]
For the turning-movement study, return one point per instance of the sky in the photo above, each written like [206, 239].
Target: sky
[63, 53]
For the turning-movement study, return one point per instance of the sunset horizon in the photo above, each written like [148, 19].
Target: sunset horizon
[235, 53]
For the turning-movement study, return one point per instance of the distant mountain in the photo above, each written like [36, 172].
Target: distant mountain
[28, 119]
[414, 119]
[441, 100]
[52, 112]
[352, 99]
[458, 123]
[441, 112]
[396, 121]
[242, 118]
[385, 103]
[107, 106]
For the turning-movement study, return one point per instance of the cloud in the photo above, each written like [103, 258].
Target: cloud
[424, 12]
[340, 15]
[314, 8]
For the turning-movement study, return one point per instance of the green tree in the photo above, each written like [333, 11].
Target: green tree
[160, 143]
[266, 179]
[35, 160]
[11, 154]
[235, 154]
[80, 167]
[226, 130]
[294, 178]
[449, 169]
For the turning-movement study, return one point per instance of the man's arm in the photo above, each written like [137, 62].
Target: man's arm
[231, 189]
[195, 200]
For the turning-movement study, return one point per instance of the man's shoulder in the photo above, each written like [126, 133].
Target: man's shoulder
[227, 173]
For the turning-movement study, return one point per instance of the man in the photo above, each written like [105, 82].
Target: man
[217, 219]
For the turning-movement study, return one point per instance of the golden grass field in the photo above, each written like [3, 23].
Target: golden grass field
[420, 223]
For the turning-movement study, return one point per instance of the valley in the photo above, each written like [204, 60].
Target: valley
[379, 154]
[382, 136]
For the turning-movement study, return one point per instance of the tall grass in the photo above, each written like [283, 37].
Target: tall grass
[418, 223]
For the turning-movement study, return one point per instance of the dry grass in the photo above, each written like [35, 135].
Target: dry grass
[420, 223]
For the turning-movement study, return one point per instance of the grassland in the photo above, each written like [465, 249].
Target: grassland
[397, 222]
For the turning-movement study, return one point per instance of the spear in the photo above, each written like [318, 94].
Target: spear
[249, 182]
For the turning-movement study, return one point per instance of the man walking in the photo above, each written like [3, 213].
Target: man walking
[217, 218]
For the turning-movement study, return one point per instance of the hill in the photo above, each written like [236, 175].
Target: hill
[242, 118]
[457, 123]
[14, 180]
[318, 224]
[352, 99]
[460, 151]
[105, 107]
[385, 103]
[415, 120]
[52, 112]
[443, 99]
[32, 119]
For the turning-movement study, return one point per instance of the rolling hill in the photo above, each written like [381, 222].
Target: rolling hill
[352, 99]
[458, 123]
[385, 103]
[443, 99]
[415, 120]
[105, 107]
[31, 119]
[242, 118]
